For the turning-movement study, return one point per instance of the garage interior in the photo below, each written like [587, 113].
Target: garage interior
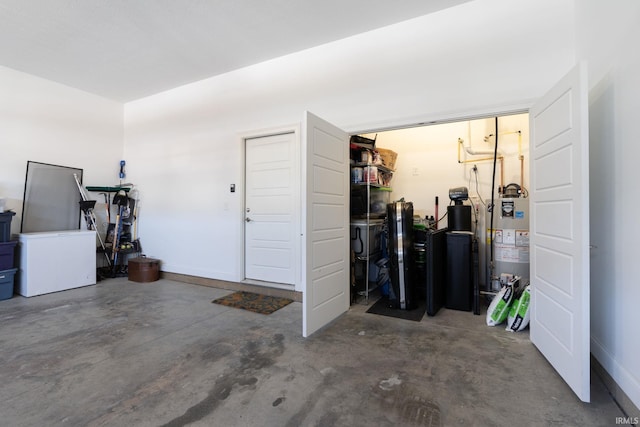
[88, 87]
[161, 354]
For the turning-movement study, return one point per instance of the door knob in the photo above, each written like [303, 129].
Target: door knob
[247, 219]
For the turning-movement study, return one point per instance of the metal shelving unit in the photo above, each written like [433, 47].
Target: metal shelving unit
[368, 256]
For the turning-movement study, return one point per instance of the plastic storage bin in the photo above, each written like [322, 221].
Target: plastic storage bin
[5, 226]
[6, 283]
[379, 198]
[7, 251]
[361, 238]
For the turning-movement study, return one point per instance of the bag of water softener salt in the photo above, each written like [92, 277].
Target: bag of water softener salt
[518, 317]
[499, 307]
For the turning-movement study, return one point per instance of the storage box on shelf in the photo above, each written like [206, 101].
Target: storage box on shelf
[388, 158]
[365, 236]
[374, 204]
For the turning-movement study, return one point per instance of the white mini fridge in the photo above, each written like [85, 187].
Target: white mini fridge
[55, 261]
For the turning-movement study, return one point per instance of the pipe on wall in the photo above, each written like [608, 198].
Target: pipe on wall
[521, 157]
[473, 152]
[483, 159]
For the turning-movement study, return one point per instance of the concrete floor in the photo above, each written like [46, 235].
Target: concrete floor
[161, 354]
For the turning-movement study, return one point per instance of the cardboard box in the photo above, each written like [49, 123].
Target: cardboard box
[388, 157]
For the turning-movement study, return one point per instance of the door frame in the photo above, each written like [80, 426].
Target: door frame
[297, 191]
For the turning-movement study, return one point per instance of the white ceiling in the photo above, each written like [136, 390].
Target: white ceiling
[128, 49]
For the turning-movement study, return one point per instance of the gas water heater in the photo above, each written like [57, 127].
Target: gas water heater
[510, 239]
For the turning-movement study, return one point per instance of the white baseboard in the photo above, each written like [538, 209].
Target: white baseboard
[622, 385]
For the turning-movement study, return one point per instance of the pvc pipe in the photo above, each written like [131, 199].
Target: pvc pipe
[473, 152]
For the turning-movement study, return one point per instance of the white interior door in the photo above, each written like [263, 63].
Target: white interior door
[560, 229]
[271, 202]
[326, 223]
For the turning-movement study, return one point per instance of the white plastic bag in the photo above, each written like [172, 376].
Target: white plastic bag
[499, 307]
[518, 317]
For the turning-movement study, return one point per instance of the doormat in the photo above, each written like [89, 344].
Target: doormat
[257, 303]
[382, 308]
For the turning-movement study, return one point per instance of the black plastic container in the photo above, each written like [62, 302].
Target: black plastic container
[5, 226]
[7, 252]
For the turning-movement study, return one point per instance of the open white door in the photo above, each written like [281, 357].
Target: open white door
[560, 229]
[325, 219]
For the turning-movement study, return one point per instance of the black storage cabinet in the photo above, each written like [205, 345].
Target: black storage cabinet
[436, 270]
[459, 291]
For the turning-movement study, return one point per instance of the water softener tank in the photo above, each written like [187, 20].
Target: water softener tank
[459, 217]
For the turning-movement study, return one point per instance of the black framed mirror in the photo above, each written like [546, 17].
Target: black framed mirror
[51, 198]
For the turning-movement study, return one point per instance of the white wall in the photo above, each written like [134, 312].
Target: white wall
[183, 147]
[608, 34]
[47, 122]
